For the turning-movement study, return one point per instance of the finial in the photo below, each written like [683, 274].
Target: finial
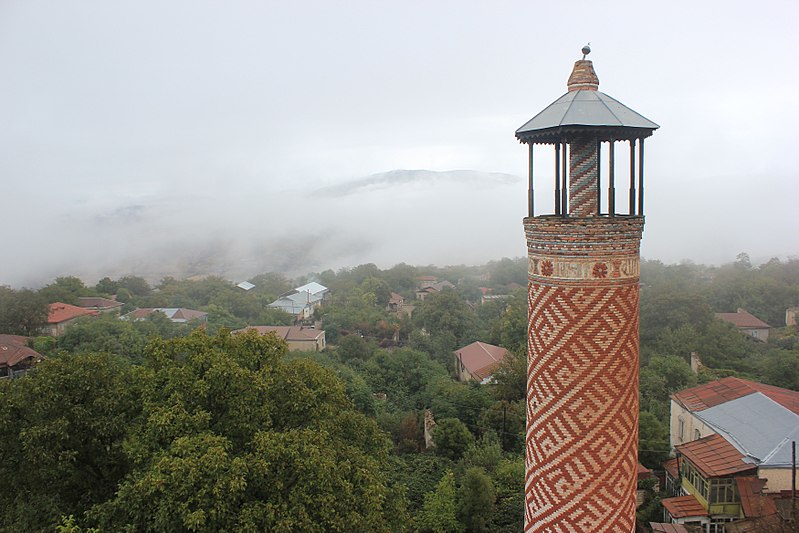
[586, 50]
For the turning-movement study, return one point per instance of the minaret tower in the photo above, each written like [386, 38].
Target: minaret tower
[583, 347]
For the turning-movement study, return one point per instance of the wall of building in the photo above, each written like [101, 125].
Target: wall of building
[778, 479]
[691, 425]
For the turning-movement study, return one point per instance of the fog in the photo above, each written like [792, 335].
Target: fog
[187, 138]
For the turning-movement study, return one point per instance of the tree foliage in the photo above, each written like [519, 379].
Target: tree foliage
[22, 312]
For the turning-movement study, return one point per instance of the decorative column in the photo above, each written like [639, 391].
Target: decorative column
[583, 296]
[582, 384]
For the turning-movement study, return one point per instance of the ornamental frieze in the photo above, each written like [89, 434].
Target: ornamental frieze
[594, 269]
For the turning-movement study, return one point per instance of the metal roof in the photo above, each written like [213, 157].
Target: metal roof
[312, 287]
[586, 110]
[727, 389]
[757, 426]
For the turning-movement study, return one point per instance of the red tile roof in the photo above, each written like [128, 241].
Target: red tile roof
[684, 507]
[481, 359]
[672, 466]
[753, 502]
[288, 333]
[714, 456]
[97, 302]
[644, 472]
[743, 319]
[61, 312]
[667, 528]
[722, 391]
[14, 350]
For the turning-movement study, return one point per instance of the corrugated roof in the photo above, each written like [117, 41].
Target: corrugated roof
[753, 502]
[672, 466]
[288, 333]
[684, 506]
[727, 389]
[480, 358]
[175, 314]
[98, 302]
[14, 350]
[667, 528]
[757, 426]
[743, 319]
[312, 287]
[61, 312]
[714, 456]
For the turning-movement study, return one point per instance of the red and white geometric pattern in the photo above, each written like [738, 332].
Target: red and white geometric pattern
[582, 407]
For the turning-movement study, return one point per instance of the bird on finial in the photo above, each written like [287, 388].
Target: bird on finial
[586, 50]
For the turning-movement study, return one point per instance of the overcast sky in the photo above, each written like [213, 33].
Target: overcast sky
[168, 137]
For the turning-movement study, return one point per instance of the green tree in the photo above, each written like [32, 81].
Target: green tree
[508, 479]
[106, 286]
[22, 312]
[476, 500]
[137, 285]
[452, 438]
[62, 433]
[439, 513]
[446, 313]
[653, 440]
[225, 414]
[65, 289]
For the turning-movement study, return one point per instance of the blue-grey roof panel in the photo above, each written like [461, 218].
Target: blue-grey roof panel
[757, 426]
[586, 108]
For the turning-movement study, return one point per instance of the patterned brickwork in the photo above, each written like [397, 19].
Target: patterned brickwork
[582, 388]
[582, 177]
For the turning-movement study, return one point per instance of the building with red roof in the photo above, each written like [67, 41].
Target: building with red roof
[63, 315]
[732, 439]
[16, 357]
[478, 361]
[746, 323]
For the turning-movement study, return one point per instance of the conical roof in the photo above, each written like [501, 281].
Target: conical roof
[585, 109]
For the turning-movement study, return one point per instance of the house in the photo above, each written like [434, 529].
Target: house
[99, 304]
[178, 315]
[299, 338]
[424, 292]
[395, 303]
[733, 443]
[478, 361]
[61, 316]
[302, 301]
[15, 356]
[425, 281]
[747, 324]
[315, 289]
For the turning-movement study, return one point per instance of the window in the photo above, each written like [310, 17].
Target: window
[681, 429]
[723, 490]
[692, 476]
[697, 435]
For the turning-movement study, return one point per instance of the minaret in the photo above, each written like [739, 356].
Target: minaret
[583, 347]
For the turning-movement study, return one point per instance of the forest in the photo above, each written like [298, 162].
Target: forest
[149, 425]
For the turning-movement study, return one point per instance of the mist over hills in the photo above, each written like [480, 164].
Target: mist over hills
[413, 216]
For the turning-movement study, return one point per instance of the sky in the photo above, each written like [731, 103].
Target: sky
[189, 137]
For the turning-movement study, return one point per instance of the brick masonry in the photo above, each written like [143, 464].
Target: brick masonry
[582, 176]
[582, 387]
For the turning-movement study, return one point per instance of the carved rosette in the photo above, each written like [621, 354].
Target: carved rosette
[584, 251]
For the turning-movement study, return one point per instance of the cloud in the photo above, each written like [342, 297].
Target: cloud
[397, 178]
